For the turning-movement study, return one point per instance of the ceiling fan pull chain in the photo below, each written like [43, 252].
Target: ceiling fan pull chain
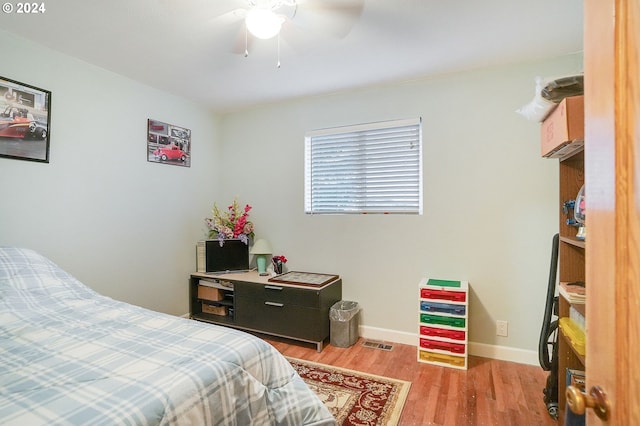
[278, 50]
[246, 41]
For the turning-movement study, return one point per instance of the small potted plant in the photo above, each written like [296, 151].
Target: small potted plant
[278, 264]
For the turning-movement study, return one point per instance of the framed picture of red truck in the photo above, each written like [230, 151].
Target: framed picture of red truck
[25, 121]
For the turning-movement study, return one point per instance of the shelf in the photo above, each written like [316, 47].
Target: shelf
[223, 302]
[215, 319]
[573, 241]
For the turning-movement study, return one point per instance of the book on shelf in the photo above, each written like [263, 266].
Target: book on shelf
[575, 378]
[574, 292]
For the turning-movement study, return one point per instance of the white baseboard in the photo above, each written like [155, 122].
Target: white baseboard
[503, 353]
[386, 335]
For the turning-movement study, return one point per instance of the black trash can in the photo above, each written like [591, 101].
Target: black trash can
[343, 316]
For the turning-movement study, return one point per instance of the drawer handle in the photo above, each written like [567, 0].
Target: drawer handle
[273, 287]
[279, 305]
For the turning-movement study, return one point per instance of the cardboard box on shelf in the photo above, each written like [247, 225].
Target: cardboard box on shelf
[210, 293]
[563, 126]
[214, 310]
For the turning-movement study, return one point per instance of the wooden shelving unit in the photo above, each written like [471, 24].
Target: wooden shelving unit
[562, 137]
[571, 267]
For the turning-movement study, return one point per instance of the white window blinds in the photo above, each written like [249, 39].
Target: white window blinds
[368, 168]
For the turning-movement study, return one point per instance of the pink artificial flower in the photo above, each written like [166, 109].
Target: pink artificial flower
[248, 228]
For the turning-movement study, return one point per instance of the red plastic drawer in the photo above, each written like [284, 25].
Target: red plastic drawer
[440, 332]
[455, 348]
[454, 296]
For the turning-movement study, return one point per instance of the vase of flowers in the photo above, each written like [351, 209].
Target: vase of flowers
[278, 264]
[232, 223]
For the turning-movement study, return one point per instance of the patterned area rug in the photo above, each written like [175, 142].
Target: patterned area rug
[355, 398]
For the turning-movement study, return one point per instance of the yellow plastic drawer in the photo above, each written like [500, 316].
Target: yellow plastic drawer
[427, 356]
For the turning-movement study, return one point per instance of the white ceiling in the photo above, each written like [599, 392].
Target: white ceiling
[185, 47]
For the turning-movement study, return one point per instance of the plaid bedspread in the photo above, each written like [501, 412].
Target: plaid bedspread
[70, 356]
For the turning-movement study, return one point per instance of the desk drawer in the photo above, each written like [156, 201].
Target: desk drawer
[283, 318]
[278, 294]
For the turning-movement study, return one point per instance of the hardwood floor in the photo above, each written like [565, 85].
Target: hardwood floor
[490, 392]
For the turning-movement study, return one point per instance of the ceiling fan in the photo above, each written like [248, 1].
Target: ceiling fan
[264, 19]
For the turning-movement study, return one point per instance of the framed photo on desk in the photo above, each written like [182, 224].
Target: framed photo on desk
[304, 278]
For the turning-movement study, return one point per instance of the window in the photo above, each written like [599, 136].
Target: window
[367, 168]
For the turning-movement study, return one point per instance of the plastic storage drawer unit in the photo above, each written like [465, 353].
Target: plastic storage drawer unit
[443, 322]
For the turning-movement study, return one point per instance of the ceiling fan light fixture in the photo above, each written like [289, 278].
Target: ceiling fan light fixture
[263, 23]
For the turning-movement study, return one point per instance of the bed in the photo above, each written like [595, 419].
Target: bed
[70, 356]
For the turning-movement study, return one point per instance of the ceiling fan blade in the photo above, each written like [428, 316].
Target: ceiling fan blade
[299, 38]
[230, 17]
[335, 17]
[347, 7]
[230, 25]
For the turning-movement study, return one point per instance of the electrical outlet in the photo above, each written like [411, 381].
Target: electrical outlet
[502, 328]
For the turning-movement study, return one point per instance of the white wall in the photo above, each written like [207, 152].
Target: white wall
[127, 227]
[124, 226]
[490, 201]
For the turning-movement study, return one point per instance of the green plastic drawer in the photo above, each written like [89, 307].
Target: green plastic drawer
[440, 320]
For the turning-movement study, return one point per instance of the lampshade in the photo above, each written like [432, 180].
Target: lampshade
[263, 23]
[261, 247]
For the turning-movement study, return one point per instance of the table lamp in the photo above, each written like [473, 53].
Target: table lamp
[261, 249]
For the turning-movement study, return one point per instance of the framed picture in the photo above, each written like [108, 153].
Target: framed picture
[25, 120]
[303, 278]
[168, 144]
